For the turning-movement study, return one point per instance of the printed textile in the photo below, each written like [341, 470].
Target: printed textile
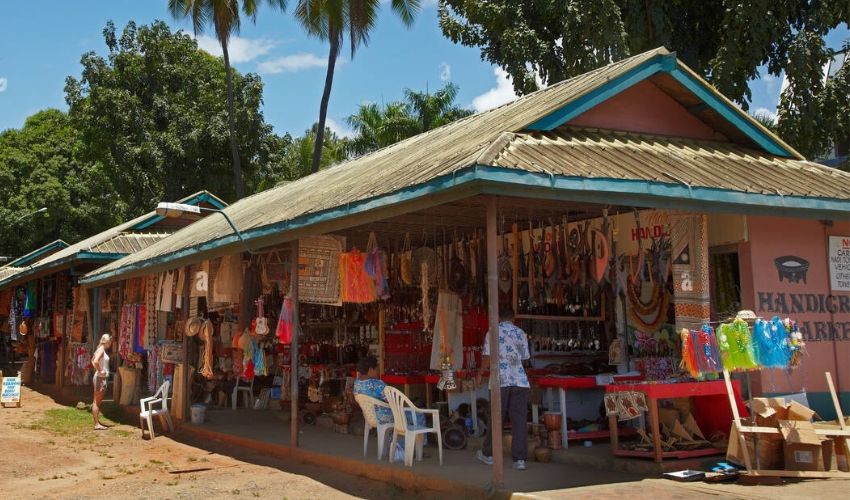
[513, 350]
[318, 269]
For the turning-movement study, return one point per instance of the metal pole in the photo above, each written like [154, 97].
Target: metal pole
[293, 351]
[493, 317]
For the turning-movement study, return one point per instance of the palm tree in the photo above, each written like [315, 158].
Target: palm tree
[224, 17]
[376, 127]
[437, 109]
[332, 20]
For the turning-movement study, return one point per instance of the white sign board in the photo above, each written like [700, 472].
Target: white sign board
[11, 394]
[839, 263]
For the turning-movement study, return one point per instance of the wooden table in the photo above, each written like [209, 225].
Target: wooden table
[654, 392]
[551, 382]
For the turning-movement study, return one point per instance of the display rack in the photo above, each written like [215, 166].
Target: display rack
[842, 433]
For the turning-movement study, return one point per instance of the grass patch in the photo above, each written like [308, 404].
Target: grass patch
[156, 462]
[121, 433]
[64, 422]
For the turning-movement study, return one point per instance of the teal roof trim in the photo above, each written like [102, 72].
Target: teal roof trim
[199, 198]
[661, 63]
[33, 256]
[58, 265]
[666, 63]
[482, 179]
[731, 114]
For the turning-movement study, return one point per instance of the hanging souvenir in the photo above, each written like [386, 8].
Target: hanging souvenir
[735, 344]
[772, 345]
[406, 262]
[796, 345]
[283, 332]
[505, 268]
[376, 267]
[355, 284]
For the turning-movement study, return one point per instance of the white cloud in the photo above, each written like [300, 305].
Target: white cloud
[293, 63]
[4, 83]
[338, 128]
[240, 49]
[765, 112]
[502, 93]
[445, 72]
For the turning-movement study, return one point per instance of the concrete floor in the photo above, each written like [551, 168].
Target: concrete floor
[458, 466]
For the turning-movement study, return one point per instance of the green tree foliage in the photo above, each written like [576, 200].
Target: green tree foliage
[41, 166]
[333, 21]
[223, 16]
[377, 126]
[725, 41]
[292, 158]
[151, 112]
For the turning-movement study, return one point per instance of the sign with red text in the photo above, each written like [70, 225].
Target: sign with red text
[839, 263]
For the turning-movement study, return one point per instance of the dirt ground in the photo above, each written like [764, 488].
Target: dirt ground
[50, 452]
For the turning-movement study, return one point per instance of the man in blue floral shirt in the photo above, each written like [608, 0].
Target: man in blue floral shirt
[513, 350]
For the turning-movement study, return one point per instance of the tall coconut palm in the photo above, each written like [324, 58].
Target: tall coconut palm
[225, 19]
[332, 21]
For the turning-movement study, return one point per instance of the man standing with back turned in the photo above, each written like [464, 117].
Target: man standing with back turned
[513, 350]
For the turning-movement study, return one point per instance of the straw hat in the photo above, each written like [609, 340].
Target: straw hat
[193, 326]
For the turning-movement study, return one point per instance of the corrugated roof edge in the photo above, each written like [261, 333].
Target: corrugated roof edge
[485, 179]
[81, 248]
[38, 252]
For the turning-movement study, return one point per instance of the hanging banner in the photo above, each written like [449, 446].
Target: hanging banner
[839, 263]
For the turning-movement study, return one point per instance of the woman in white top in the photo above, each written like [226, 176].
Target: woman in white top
[100, 363]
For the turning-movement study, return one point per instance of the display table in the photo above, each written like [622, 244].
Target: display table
[562, 384]
[656, 391]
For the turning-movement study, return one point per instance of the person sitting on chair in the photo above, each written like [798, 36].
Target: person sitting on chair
[369, 384]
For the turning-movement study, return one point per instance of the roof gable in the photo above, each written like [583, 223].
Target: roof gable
[38, 253]
[678, 79]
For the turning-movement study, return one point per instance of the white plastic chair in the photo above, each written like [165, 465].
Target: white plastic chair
[369, 406]
[401, 405]
[148, 411]
[247, 389]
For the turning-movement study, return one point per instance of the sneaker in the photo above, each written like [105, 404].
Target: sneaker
[519, 465]
[484, 458]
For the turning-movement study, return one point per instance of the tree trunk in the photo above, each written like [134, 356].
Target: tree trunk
[326, 97]
[231, 127]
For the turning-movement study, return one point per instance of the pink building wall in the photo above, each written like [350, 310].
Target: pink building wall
[647, 109]
[823, 315]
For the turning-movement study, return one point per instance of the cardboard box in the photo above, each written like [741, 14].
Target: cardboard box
[768, 411]
[803, 449]
[797, 411]
[766, 450]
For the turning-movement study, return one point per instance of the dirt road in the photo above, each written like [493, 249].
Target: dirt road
[50, 450]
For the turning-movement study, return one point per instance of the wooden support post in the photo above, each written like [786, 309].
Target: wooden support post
[838, 413]
[293, 351]
[187, 391]
[382, 325]
[736, 416]
[493, 317]
[515, 266]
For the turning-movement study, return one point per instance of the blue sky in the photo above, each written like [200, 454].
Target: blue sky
[41, 42]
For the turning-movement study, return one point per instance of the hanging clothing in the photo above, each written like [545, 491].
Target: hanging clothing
[164, 291]
[284, 322]
[355, 284]
[140, 314]
[228, 280]
[736, 346]
[448, 331]
[178, 288]
[772, 343]
[149, 336]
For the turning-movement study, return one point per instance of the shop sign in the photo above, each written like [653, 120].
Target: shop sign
[650, 232]
[839, 263]
[11, 395]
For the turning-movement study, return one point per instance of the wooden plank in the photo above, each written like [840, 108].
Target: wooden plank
[656, 429]
[838, 413]
[293, 348]
[773, 430]
[736, 416]
[493, 317]
[806, 474]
